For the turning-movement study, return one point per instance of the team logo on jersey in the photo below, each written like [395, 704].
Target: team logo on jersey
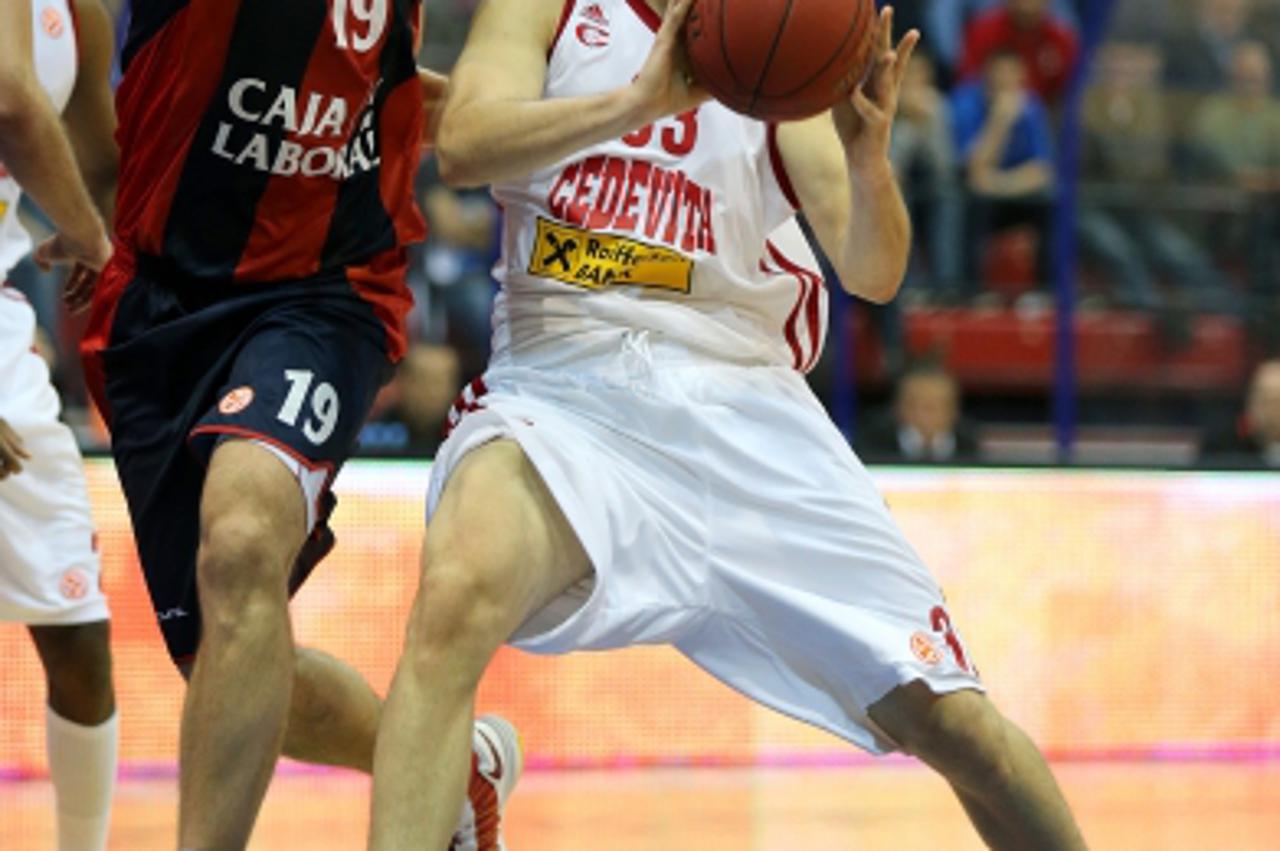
[51, 20]
[236, 401]
[75, 584]
[923, 646]
[598, 260]
[594, 30]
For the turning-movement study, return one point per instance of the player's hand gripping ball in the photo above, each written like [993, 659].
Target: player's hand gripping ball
[780, 60]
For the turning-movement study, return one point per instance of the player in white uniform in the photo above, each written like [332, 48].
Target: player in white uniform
[643, 461]
[55, 58]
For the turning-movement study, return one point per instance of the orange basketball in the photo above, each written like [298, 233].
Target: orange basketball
[780, 60]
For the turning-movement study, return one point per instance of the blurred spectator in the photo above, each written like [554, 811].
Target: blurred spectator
[924, 156]
[1141, 20]
[1236, 137]
[925, 424]
[1128, 154]
[451, 271]
[446, 31]
[1236, 134]
[1048, 47]
[1005, 144]
[412, 411]
[1200, 52]
[946, 22]
[1255, 439]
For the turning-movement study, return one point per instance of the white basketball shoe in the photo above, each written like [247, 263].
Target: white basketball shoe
[496, 763]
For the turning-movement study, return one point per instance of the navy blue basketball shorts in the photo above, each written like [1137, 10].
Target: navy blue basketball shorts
[293, 367]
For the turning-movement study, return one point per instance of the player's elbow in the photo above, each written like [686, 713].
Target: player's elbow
[454, 160]
[881, 290]
[17, 88]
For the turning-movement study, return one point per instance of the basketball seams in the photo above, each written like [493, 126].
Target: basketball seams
[855, 26]
[724, 46]
[773, 52]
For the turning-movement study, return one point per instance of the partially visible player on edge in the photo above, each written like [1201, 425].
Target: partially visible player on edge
[55, 56]
[643, 461]
[253, 306]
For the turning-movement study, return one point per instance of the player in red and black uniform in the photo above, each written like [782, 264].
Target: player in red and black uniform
[252, 309]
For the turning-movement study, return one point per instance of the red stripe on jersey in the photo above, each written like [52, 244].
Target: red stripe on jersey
[646, 13]
[780, 169]
[403, 116]
[810, 297]
[160, 112]
[813, 313]
[97, 335]
[789, 327]
[565, 15]
[382, 282]
[292, 218]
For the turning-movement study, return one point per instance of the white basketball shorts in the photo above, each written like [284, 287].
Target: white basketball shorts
[50, 574]
[724, 514]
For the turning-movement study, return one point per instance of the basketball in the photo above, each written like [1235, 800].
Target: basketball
[780, 60]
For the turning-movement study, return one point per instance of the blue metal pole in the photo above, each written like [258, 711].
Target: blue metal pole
[1093, 25]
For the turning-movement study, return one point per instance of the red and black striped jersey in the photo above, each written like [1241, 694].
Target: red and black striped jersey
[273, 140]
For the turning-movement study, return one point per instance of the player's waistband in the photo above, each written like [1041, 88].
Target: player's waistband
[622, 355]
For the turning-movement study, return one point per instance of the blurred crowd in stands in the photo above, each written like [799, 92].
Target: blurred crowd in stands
[1177, 236]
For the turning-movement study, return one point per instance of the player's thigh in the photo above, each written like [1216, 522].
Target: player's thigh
[499, 537]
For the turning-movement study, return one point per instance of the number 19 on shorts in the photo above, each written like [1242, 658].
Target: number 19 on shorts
[322, 405]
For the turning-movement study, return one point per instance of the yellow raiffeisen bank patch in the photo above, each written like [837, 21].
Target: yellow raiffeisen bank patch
[598, 260]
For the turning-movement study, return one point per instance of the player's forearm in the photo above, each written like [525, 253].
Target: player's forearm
[100, 166]
[485, 142]
[35, 150]
[877, 243]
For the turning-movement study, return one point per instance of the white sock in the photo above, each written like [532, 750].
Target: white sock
[82, 765]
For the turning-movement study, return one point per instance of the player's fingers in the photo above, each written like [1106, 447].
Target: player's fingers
[43, 256]
[906, 49]
[79, 291]
[677, 11]
[886, 28]
[16, 446]
[882, 80]
[866, 108]
[12, 450]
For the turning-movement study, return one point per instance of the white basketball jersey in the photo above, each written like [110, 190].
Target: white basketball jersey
[57, 60]
[682, 229]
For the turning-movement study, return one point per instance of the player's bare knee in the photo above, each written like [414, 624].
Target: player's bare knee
[240, 555]
[77, 662]
[459, 613]
[964, 737]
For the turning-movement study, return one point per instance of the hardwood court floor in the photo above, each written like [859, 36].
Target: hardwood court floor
[1127, 807]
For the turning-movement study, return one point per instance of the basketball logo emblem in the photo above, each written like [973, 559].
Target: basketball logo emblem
[74, 584]
[51, 20]
[236, 401]
[922, 646]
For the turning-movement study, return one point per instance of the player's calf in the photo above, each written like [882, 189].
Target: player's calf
[1001, 778]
